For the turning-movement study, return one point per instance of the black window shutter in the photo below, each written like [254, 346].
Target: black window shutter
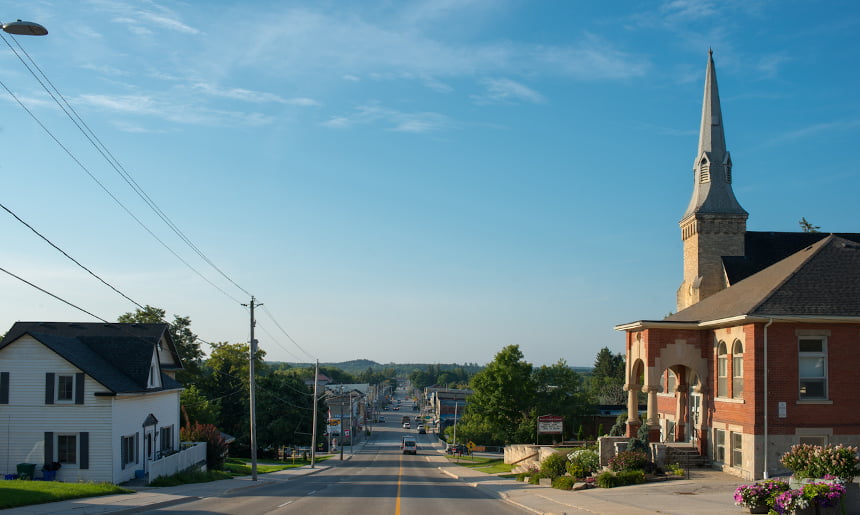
[123, 451]
[136, 447]
[49, 388]
[85, 450]
[4, 387]
[49, 447]
[79, 388]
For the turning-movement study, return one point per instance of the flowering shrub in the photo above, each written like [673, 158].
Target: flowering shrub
[628, 460]
[806, 460]
[790, 501]
[759, 494]
[582, 462]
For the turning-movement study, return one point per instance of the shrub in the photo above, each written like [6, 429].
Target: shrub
[522, 476]
[582, 462]
[826, 495]
[216, 446]
[534, 479]
[554, 466]
[806, 460]
[563, 483]
[675, 469]
[631, 477]
[628, 460]
[607, 480]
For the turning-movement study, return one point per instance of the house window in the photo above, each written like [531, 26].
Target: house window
[129, 447]
[670, 431]
[737, 450]
[722, 370]
[738, 370]
[671, 382]
[65, 388]
[67, 449]
[719, 445]
[812, 361]
[167, 438]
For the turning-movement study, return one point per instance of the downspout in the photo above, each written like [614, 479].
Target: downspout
[769, 322]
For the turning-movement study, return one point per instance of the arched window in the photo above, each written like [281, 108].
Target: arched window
[722, 370]
[738, 370]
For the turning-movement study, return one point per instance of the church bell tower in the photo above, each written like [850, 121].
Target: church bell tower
[714, 224]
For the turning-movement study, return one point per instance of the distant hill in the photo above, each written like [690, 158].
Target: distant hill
[357, 366]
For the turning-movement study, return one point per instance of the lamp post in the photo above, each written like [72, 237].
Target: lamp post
[340, 401]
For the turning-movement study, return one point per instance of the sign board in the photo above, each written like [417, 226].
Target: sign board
[782, 410]
[470, 445]
[346, 433]
[334, 422]
[550, 425]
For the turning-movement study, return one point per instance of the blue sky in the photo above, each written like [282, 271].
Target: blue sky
[410, 181]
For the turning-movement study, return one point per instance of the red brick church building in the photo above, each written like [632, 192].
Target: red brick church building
[764, 349]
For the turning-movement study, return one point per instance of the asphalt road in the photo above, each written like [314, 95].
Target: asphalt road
[378, 479]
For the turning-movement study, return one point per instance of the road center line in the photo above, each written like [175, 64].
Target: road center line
[399, 476]
[284, 504]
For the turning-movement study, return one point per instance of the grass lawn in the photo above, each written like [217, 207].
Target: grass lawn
[488, 465]
[242, 466]
[15, 493]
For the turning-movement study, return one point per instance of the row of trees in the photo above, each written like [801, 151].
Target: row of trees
[510, 393]
[217, 388]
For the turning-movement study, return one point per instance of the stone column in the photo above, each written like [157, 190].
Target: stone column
[633, 421]
[681, 408]
[652, 421]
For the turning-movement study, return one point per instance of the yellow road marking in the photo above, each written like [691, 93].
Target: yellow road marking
[399, 475]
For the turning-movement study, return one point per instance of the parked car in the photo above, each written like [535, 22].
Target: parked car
[421, 430]
[381, 418]
[407, 425]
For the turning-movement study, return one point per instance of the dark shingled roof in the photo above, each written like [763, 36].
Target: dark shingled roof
[116, 355]
[766, 248]
[822, 279]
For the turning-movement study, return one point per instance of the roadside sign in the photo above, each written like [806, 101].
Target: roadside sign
[470, 445]
[346, 433]
[334, 422]
[550, 424]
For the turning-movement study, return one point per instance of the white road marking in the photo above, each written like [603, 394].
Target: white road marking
[286, 503]
[312, 492]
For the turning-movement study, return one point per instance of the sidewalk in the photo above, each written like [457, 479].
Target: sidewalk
[147, 498]
[707, 492]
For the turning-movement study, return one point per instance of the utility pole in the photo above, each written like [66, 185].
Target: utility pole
[340, 401]
[253, 387]
[314, 430]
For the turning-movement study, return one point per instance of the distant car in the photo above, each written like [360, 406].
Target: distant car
[407, 425]
[396, 408]
[381, 418]
[421, 430]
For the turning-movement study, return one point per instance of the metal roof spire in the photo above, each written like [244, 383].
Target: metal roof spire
[712, 168]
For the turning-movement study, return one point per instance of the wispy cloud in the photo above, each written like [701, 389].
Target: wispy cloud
[257, 97]
[143, 21]
[507, 91]
[374, 113]
[814, 130]
[187, 114]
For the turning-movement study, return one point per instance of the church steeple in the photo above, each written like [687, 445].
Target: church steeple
[714, 223]
[712, 168]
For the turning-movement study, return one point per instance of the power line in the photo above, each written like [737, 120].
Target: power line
[266, 310]
[110, 158]
[64, 301]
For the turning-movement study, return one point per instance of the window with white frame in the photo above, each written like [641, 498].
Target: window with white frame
[812, 367]
[67, 448]
[65, 388]
[738, 370]
[722, 370]
[737, 449]
[719, 445]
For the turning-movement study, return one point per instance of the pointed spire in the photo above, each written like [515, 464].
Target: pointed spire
[712, 138]
[712, 168]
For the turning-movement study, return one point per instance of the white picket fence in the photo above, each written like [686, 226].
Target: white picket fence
[193, 454]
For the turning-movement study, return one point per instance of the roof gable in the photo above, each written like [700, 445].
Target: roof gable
[116, 355]
[822, 279]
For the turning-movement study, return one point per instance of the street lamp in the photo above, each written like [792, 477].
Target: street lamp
[25, 28]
